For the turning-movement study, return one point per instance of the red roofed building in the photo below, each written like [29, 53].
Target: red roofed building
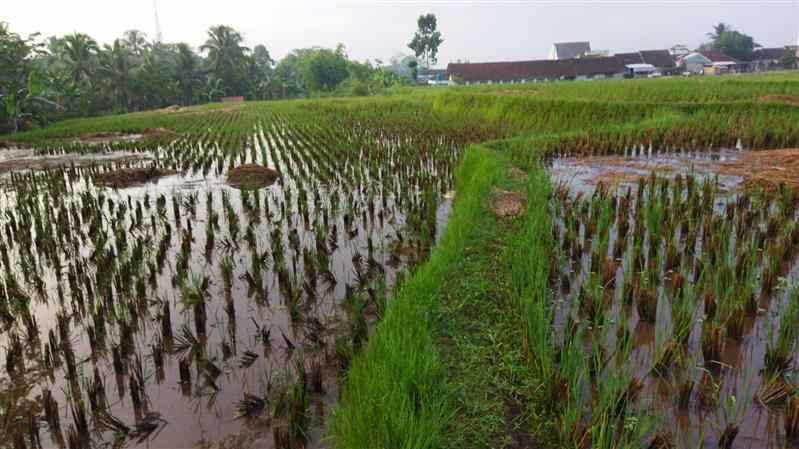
[583, 68]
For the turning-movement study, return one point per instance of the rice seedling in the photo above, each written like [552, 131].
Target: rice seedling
[697, 279]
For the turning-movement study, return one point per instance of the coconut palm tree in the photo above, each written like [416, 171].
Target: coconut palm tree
[135, 40]
[79, 51]
[226, 54]
[186, 72]
[718, 31]
[116, 65]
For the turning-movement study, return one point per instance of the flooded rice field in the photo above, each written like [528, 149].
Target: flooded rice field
[734, 169]
[171, 309]
[676, 275]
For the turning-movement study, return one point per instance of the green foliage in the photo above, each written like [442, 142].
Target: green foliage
[789, 61]
[322, 69]
[227, 57]
[732, 43]
[134, 74]
[396, 394]
[426, 40]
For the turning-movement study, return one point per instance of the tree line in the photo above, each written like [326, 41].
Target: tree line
[47, 79]
[741, 46]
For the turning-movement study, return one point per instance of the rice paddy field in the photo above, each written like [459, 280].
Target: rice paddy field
[566, 265]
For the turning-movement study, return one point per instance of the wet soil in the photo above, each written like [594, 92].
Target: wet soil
[107, 137]
[765, 169]
[252, 176]
[735, 170]
[16, 159]
[127, 177]
[508, 204]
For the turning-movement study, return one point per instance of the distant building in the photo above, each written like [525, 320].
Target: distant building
[661, 60]
[511, 72]
[768, 58]
[569, 50]
[425, 76]
[584, 68]
[716, 63]
[599, 68]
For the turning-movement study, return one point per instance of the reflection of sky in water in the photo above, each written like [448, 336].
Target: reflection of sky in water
[584, 174]
[208, 413]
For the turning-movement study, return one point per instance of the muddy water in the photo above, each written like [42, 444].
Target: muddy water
[362, 221]
[19, 160]
[739, 372]
[584, 174]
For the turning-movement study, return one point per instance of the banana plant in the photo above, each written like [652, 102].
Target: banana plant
[16, 100]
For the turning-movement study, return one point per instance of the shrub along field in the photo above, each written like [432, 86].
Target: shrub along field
[337, 295]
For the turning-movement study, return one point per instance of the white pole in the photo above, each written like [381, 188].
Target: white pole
[158, 36]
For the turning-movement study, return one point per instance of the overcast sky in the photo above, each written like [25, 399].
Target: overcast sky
[472, 30]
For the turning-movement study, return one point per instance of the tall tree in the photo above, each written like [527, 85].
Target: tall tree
[116, 65]
[135, 40]
[226, 56]
[718, 30]
[261, 73]
[732, 43]
[187, 72]
[80, 50]
[426, 40]
[323, 69]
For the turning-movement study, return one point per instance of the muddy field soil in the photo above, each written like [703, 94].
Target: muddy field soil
[735, 169]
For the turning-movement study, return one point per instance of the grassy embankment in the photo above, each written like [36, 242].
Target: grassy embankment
[455, 326]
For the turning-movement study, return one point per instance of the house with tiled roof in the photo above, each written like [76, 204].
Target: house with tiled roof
[586, 67]
[655, 61]
[511, 71]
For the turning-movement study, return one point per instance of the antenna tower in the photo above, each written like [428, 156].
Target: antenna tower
[158, 36]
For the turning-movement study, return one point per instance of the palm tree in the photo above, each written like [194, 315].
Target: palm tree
[135, 40]
[80, 50]
[115, 63]
[719, 30]
[225, 53]
[186, 72]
